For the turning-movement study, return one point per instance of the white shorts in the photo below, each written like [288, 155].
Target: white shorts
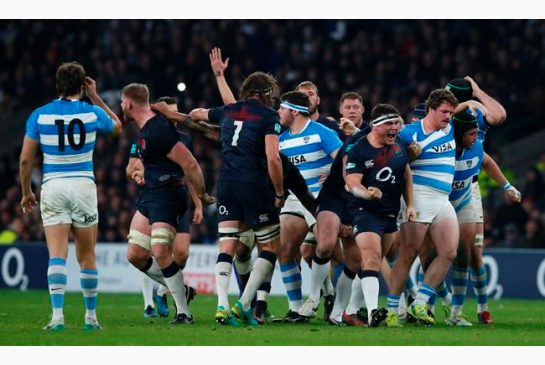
[293, 206]
[431, 206]
[477, 202]
[467, 214]
[69, 201]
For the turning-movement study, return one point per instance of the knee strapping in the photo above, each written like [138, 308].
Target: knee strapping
[268, 234]
[162, 236]
[140, 239]
[247, 238]
[227, 233]
[310, 239]
[479, 240]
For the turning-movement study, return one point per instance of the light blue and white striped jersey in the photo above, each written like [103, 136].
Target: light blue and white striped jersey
[482, 125]
[434, 167]
[66, 131]
[468, 165]
[309, 150]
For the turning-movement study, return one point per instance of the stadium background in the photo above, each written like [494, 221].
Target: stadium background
[394, 61]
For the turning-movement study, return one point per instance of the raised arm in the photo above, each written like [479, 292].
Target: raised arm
[496, 112]
[91, 91]
[219, 67]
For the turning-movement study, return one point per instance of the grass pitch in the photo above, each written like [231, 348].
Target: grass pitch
[23, 314]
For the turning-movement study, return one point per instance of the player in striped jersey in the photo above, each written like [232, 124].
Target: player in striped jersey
[469, 158]
[489, 113]
[433, 172]
[65, 130]
[311, 147]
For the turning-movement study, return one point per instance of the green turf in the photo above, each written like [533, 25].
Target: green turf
[23, 314]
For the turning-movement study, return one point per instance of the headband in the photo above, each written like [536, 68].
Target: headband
[385, 119]
[298, 108]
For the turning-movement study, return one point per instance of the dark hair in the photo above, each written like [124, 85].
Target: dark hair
[169, 100]
[262, 85]
[463, 122]
[420, 111]
[438, 96]
[461, 88]
[351, 95]
[297, 98]
[138, 93]
[70, 78]
[383, 109]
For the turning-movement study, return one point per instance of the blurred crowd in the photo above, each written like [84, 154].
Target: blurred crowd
[398, 62]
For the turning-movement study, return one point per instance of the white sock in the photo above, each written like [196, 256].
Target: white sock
[319, 274]
[357, 300]
[262, 269]
[370, 287]
[146, 284]
[343, 289]
[161, 290]
[155, 272]
[223, 277]
[175, 284]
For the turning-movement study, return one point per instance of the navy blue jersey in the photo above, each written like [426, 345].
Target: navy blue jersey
[155, 141]
[182, 136]
[334, 184]
[383, 168]
[244, 126]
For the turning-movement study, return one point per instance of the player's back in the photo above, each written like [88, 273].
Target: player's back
[244, 126]
[66, 131]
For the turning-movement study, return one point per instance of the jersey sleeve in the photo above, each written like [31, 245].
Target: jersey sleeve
[355, 163]
[272, 124]
[32, 126]
[105, 124]
[330, 140]
[215, 114]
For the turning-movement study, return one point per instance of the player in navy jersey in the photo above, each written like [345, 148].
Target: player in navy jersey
[164, 200]
[377, 174]
[433, 141]
[467, 91]
[157, 304]
[249, 133]
[65, 130]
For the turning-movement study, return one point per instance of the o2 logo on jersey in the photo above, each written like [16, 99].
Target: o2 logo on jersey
[385, 174]
[223, 210]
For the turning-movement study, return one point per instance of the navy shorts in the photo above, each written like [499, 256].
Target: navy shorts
[365, 221]
[252, 204]
[165, 204]
[336, 204]
[183, 223]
